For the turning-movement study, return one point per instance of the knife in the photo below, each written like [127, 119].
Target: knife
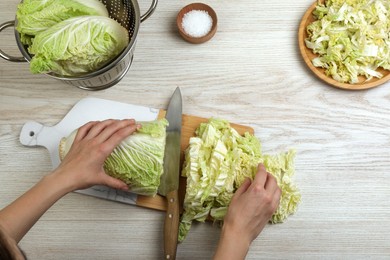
[170, 178]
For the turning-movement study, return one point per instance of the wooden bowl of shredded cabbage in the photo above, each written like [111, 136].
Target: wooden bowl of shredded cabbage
[346, 43]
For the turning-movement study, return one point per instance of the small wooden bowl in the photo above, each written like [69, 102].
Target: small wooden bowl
[200, 7]
[308, 55]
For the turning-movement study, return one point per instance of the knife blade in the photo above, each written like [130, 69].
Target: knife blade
[169, 182]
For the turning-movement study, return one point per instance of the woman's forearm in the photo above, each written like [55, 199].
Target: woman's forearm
[18, 217]
[81, 168]
[231, 246]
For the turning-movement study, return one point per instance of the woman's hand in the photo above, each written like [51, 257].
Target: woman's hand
[82, 167]
[250, 210]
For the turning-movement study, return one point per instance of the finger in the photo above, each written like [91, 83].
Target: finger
[261, 175]
[271, 183]
[114, 127]
[98, 128]
[243, 188]
[116, 138]
[83, 130]
[278, 196]
[114, 183]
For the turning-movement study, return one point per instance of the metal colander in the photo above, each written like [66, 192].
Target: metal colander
[127, 13]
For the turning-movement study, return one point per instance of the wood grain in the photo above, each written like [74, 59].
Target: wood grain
[308, 56]
[250, 73]
[171, 225]
[189, 125]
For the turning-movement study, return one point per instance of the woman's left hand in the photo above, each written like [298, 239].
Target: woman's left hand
[82, 167]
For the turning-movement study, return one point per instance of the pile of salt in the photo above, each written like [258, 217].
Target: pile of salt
[197, 23]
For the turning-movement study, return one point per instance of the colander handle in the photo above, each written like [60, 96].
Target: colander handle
[3, 54]
[150, 11]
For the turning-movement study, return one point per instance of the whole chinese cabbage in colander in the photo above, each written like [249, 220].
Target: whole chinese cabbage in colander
[85, 43]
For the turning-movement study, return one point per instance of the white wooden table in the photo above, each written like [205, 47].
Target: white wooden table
[250, 73]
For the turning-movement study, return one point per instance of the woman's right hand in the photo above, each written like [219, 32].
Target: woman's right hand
[250, 210]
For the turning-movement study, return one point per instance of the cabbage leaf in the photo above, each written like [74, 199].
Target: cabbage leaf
[34, 16]
[77, 45]
[217, 161]
[137, 160]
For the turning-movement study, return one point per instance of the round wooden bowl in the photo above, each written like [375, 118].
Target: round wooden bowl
[308, 55]
[200, 7]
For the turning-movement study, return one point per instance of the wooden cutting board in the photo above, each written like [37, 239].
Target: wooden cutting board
[91, 109]
[189, 125]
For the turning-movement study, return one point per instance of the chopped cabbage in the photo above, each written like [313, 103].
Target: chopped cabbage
[137, 160]
[36, 16]
[351, 38]
[77, 45]
[217, 162]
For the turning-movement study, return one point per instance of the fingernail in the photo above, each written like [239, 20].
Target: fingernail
[130, 121]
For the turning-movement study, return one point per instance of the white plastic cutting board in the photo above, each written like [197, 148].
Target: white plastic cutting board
[89, 109]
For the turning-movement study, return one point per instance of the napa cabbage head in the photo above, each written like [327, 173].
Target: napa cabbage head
[217, 161]
[77, 45]
[137, 160]
[35, 16]
[351, 38]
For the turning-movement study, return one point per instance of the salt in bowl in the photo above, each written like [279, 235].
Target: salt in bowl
[197, 22]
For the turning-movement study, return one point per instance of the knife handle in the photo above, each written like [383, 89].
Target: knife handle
[171, 225]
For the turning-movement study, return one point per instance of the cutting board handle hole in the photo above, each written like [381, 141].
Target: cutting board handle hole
[31, 133]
